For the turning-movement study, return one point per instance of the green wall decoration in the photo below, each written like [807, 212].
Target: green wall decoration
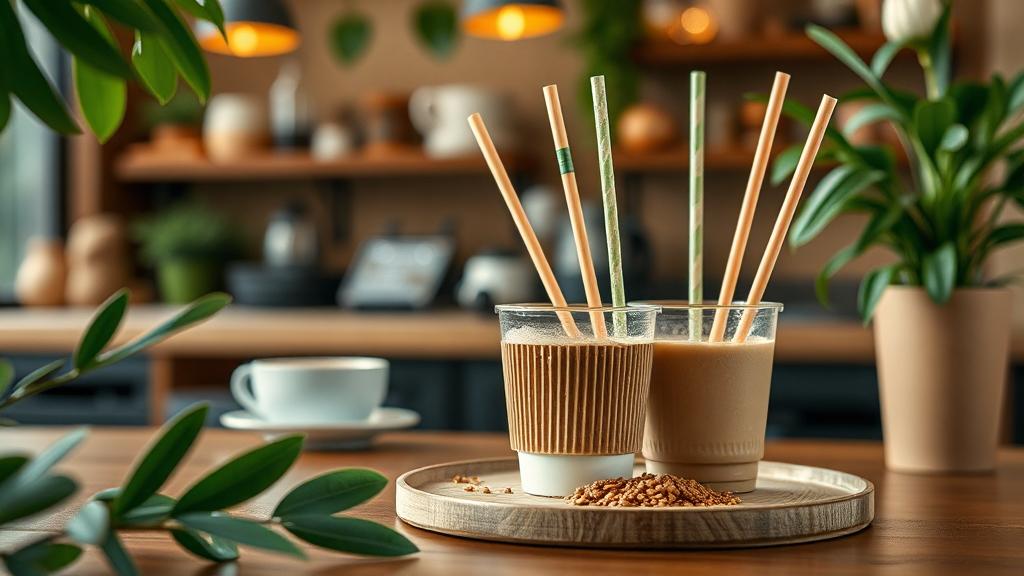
[350, 36]
[436, 23]
[606, 38]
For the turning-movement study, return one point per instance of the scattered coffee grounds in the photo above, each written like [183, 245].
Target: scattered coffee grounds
[476, 481]
[650, 491]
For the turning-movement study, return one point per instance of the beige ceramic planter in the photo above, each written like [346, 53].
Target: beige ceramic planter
[941, 373]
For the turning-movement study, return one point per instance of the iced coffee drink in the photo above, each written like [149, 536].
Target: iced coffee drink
[708, 401]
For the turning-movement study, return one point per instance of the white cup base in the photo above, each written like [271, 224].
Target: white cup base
[561, 474]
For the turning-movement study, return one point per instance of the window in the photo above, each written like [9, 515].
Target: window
[30, 168]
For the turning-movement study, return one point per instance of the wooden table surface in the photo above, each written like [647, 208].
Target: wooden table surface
[927, 525]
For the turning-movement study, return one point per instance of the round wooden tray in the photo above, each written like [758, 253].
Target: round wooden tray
[791, 504]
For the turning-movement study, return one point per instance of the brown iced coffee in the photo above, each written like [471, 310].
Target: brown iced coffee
[584, 399]
[708, 402]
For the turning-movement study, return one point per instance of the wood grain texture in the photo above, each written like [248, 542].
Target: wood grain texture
[934, 525]
[791, 504]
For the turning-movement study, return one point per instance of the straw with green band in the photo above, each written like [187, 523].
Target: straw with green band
[572, 198]
[697, 91]
[611, 211]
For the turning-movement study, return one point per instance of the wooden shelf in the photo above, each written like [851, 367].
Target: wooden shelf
[678, 158]
[149, 167]
[791, 46]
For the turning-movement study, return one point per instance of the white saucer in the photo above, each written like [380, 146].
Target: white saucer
[332, 436]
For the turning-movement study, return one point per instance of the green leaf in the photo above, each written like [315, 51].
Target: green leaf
[155, 67]
[102, 328]
[22, 501]
[938, 272]
[869, 115]
[205, 10]
[118, 557]
[32, 87]
[352, 535]
[194, 313]
[171, 444]
[971, 99]
[102, 98]
[883, 57]
[931, 120]
[785, 163]
[1015, 100]
[25, 385]
[871, 289]
[244, 532]
[42, 558]
[1005, 235]
[80, 37]
[881, 223]
[129, 13]
[242, 478]
[940, 48]
[53, 453]
[182, 48]
[828, 200]
[955, 138]
[331, 493]
[6, 372]
[5, 104]
[437, 27]
[834, 265]
[350, 36]
[152, 512]
[205, 546]
[829, 41]
[92, 523]
[9, 465]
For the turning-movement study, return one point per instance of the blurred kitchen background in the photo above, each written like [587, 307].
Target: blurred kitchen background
[336, 192]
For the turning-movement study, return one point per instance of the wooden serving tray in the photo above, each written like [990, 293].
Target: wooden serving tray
[791, 504]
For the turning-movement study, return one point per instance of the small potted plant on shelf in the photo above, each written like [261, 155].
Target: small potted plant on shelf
[942, 325]
[189, 245]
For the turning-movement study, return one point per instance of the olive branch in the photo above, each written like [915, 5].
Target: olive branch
[196, 520]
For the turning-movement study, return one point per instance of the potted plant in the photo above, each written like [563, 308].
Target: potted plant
[942, 326]
[189, 245]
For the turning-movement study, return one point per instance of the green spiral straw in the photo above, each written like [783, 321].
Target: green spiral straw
[697, 91]
[611, 211]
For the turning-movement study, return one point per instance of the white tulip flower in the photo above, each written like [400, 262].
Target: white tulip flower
[906, 20]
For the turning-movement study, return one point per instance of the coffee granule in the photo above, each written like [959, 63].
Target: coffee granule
[650, 491]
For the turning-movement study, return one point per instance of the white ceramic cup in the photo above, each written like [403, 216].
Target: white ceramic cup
[311, 390]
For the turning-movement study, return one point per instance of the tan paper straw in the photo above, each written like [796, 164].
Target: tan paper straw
[698, 81]
[611, 210]
[746, 219]
[572, 198]
[547, 277]
[796, 187]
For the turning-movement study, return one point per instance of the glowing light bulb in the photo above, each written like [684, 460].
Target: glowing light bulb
[695, 21]
[244, 40]
[511, 23]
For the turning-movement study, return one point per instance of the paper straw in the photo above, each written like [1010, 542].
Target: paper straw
[611, 211]
[572, 198]
[697, 95]
[796, 187]
[746, 219]
[547, 277]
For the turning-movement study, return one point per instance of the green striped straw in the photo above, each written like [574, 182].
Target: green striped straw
[611, 211]
[697, 90]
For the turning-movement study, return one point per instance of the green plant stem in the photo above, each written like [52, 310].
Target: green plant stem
[930, 82]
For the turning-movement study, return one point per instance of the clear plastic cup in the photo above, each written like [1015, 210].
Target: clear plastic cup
[576, 394]
[708, 401]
